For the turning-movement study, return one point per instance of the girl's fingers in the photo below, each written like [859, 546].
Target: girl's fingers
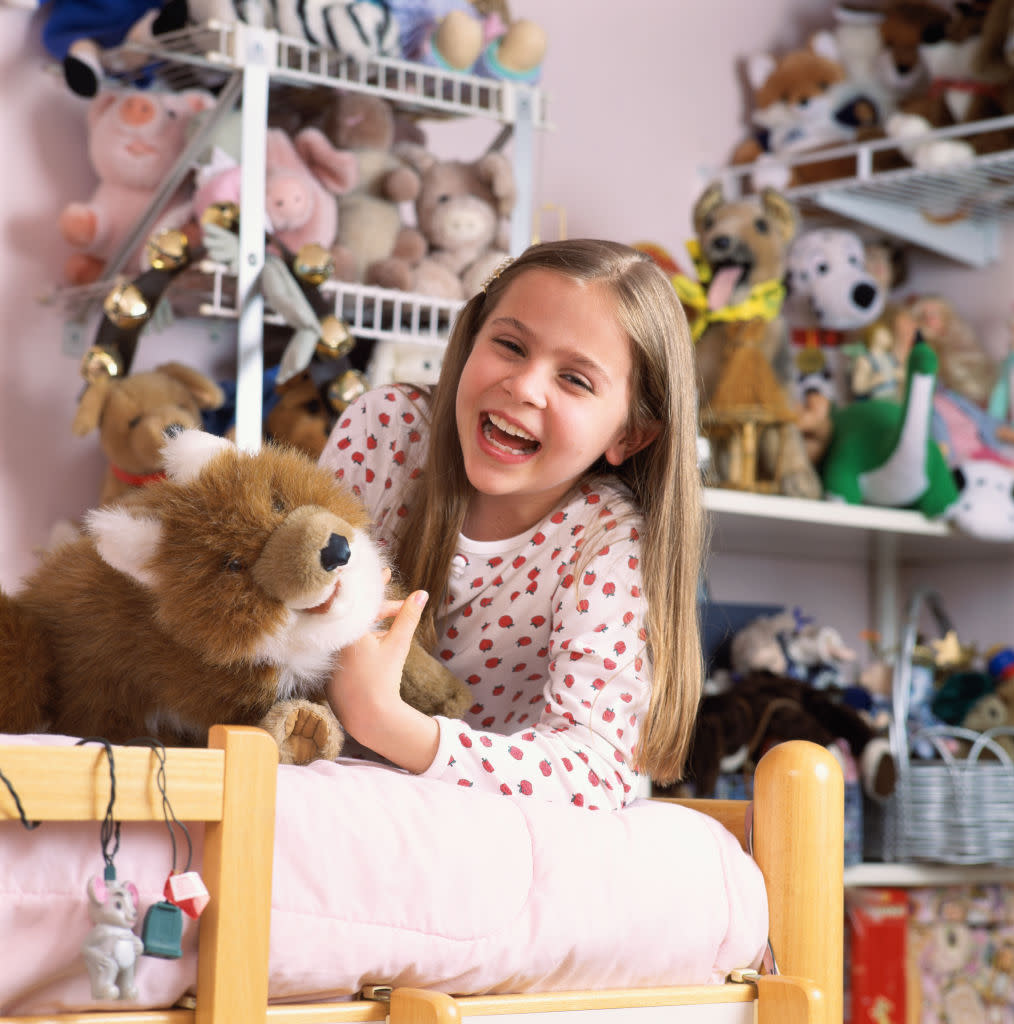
[405, 622]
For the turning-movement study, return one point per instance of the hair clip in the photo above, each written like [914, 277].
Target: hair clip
[498, 270]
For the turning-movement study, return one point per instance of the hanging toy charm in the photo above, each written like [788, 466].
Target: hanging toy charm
[111, 949]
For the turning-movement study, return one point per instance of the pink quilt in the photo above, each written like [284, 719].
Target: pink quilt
[381, 877]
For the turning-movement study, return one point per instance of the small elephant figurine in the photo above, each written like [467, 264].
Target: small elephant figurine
[111, 948]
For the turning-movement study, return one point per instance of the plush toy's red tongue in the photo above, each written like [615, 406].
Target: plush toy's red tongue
[722, 285]
[325, 607]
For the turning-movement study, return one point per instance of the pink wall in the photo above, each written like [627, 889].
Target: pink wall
[644, 96]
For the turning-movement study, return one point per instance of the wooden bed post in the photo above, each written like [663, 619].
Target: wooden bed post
[232, 965]
[799, 845]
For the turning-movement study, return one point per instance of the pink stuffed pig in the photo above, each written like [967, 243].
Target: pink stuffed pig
[135, 137]
[303, 176]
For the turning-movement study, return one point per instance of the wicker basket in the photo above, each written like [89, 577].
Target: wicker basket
[950, 810]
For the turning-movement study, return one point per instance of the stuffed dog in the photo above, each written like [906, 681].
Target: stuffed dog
[219, 594]
[741, 249]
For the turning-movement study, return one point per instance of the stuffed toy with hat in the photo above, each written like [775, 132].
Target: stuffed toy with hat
[217, 595]
[742, 354]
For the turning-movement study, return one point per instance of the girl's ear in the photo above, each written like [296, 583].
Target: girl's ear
[630, 443]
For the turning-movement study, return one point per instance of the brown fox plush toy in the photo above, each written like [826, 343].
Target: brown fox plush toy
[219, 594]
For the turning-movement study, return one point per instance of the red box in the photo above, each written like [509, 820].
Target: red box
[876, 927]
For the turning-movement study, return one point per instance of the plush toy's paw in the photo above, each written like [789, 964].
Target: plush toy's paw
[943, 154]
[390, 273]
[769, 172]
[78, 225]
[429, 687]
[304, 730]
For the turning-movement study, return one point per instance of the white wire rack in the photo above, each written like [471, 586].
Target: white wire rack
[188, 57]
[955, 210]
[374, 313]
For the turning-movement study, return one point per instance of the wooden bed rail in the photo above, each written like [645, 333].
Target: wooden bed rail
[797, 842]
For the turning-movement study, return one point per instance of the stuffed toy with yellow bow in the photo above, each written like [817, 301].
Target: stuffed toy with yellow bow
[742, 353]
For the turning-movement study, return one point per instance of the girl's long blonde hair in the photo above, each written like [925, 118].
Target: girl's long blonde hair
[663, 477]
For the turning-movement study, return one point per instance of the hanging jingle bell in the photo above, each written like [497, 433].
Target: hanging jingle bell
[313, 264]
[225, 214]
[126, 307]
[345, 389]
[100, 362]
[336, 339]
[168, 250]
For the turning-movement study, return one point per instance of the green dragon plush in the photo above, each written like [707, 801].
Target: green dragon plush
[881, 452]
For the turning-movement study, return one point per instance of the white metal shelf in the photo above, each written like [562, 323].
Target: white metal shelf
[909, 876]
[956, 211]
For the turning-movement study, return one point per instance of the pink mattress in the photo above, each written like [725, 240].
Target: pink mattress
[381, 877]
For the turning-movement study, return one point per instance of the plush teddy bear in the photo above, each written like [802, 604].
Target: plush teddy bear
[219, 594]
[479, 37]
[134, 139]
[406, 362]
[134, 413]
[461, 210]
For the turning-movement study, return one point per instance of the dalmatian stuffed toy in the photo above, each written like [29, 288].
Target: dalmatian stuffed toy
[985, 505]
[827, 274]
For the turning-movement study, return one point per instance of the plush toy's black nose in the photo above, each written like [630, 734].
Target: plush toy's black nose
[173, 429]
[336, 552]
[864, 295]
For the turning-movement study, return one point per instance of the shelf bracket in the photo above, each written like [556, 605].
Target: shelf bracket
[971, 241]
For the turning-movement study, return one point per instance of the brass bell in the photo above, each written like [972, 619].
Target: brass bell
[168, 250]
[313, 264]
[345, 389]
[100, 362]
[224, 214]
[126, 307]
[336, 339]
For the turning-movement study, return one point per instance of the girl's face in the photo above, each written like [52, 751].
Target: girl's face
[544, 392]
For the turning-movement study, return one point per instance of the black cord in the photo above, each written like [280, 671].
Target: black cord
[167, 811]
[109, 831]
[17, 803]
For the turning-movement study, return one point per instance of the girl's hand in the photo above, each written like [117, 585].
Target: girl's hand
[365, 691]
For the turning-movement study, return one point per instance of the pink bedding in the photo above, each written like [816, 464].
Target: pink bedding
[382, 877]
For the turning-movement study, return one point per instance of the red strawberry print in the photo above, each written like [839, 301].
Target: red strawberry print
[385, 419]
[592, 499]
[538, 538]
[528, 737]
[358, 458]
[371, 442]
[485, 644]
[568, 680]
[399, 457]
[492, 662]
[488, 721]
[608, 664]
[608, 715]
[568, 581]
[408, 417]
[465, 782]
[515, 752]
[486, 764]
[370, 476]
[586, 703]
[524, 641]
[505, 622]
[486, 741]
[558, 517]
[505, 789]
[452, 634]
[476, 709]
[633, 562]
[577, 799]
[546, 768]
[477, 582]
[446, 655]
[589, 578]
[626, 698]
[414, 436]
[519, 561]
[581, 754]
[494, 561]
[466, 740]
[344, 443]
[619, 647]
[628, 618]
[533, 574]
[634, 535]
[592, 777]
[567, 763]
[345, 423]
[531, 588]
[525, 787]
[609, 589]
[498, 690]
[538, 620]
[598, 684]
[582, 606]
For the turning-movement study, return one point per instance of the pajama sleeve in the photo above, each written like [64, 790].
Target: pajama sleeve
[596, 693]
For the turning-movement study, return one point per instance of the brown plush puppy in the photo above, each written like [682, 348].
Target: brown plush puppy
[219, 594]
[132, 415]
[743, 245]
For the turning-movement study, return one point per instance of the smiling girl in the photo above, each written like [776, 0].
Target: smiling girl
[547, 496]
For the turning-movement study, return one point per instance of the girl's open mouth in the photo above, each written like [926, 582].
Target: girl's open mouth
[506, 437]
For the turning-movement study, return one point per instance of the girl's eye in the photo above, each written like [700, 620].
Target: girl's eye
[510, 345]
[578, 381]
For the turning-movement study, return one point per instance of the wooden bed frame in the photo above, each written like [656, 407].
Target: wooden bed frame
[797, 841]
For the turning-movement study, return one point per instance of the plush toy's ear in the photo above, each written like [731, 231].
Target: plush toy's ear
[125, 542]
[495, 169]
[781, 212]
[825, 45]
[90, 406]
[186, 454]
[707, 202]
[758, 69]
[336, 169]
[206, 393]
